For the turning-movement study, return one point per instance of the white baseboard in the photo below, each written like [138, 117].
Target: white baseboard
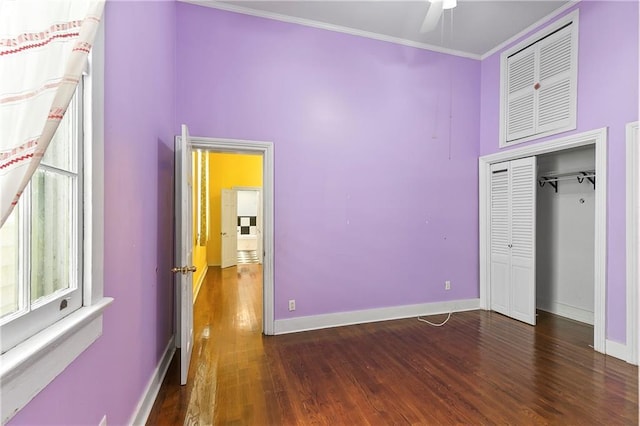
[567, 311]
[200, 281]
[143, 409]
[338, 319]
[617, 350]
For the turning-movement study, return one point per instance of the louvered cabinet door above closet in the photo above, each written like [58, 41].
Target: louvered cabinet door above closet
[512, 238]
[539, 83]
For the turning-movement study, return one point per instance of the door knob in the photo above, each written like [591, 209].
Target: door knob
[184, 270]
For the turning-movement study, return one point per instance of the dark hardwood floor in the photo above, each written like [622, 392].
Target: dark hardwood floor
[480, 368]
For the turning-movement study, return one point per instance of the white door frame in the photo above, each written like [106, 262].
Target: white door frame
[265, 149]
[596, 137]
[633, 240]
[258, 189]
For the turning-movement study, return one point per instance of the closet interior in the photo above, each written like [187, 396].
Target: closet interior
[565, 233]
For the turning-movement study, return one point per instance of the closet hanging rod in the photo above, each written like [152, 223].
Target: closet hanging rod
[553, 178]
[580, 173]
[574, 176]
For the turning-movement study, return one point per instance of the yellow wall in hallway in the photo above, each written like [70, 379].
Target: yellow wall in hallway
[200, 262]
[227, 171]
[199, 252]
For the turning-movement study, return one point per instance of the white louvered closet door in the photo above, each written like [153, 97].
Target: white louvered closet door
[556, 69]
[522, 191]
[500, 239]
[512, 238]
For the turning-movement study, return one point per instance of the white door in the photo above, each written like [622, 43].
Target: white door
[523, 239]
[500, 238]
[229, 228]
[512, 236]
[184, 251]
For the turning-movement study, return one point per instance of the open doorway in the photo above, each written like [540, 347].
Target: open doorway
[186, 239]
[249, 225]
[229, 172]
[234, 167]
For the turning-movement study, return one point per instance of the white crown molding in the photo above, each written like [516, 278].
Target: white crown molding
[339, 319]
[329, 27]
[530, 28]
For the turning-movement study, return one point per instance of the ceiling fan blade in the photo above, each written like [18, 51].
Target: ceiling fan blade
[432, 17]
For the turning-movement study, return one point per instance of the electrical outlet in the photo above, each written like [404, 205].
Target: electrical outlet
[292, 305]
[447, 285]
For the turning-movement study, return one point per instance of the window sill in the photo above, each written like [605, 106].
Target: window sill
[29, 367]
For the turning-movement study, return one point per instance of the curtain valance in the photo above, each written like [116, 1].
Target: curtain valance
[43, 51]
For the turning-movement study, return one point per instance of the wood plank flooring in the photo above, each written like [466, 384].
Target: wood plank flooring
[480, 368]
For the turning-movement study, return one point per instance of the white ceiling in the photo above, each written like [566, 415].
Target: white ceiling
[474, 28]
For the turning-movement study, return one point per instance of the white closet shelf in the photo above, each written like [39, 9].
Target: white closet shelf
[553, 178]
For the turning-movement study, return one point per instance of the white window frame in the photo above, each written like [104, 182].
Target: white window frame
[30, 366]
[543, 33]
[37, 315]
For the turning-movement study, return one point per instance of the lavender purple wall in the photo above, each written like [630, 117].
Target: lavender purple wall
[375, 188]
[111, 375]
[607, 97]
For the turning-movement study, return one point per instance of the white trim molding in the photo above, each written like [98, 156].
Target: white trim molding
[633, 238]
[617, 350]
[143, 409]
[330, 27]
[375, 36]
[530, 28]
[339, 319]
[567, 311]
[595, 137]
[265, 149]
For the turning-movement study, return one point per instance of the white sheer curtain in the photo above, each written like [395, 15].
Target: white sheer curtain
[43, 51]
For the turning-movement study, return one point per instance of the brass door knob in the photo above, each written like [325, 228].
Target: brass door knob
[184, 269]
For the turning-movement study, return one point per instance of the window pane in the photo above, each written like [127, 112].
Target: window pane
[9, 279]
[61, 150]
[52, 235]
